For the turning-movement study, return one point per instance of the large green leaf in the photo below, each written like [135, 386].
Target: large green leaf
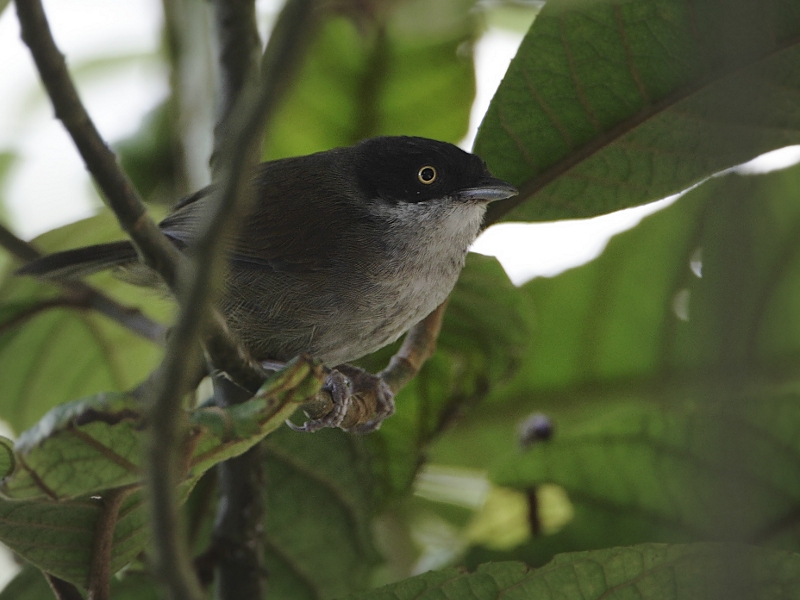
[319, 507]
[647, 572]
[692, 312]
[397, 75]
[613, 104]
[319, 503]
[58, 537]
[82, 450]
[62, 353]
[692, 472]
[30, 584]
[640, 318]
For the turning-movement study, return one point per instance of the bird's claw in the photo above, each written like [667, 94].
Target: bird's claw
[344, 384]
[341, 393]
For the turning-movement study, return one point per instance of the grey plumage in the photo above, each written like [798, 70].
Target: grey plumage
[343, 251]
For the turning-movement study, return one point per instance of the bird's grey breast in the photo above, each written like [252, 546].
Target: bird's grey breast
[388, 272]
[425, 246]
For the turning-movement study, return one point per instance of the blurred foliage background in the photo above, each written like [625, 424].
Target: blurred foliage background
[648, 397]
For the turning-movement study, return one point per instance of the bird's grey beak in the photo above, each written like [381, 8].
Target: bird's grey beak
[489, 190]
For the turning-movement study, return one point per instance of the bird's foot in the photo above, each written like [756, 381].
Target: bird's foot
[361, 402]
[372, 396]
[340, 390]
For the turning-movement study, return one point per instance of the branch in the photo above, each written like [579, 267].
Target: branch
[238, 543]
[163, 458]
[418, 346]
[100, 567]
[191, 87]
[155, 249]
[253, 110]
[239, 50]
[83, 295]
[238, 530]
[18, 247]
[238, 155]
[35, 309]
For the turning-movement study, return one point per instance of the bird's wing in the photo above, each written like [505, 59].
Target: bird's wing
[291, 201]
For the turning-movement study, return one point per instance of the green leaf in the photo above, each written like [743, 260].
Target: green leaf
[613, 104]
[395, 76]
[653, 571]
[84, 448]
[319, 504]
[95, 444]
[319, 507]
[7, 460]
[696, 304]
[53, 356]
[639, 318]
[58, 537]
[638, 331]
[693, 472]
[30, 584]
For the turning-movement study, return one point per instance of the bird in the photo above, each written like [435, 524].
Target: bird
[341, 252]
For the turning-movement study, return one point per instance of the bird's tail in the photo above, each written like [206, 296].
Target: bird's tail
[74, 264]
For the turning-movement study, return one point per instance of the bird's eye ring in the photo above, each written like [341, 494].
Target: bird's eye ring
[427, 175]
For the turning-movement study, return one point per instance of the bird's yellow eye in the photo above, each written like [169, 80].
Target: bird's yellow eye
[427, 175]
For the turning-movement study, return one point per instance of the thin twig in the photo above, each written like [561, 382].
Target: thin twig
[35, 309]
[239, 52]
[18, 247]
[164, 461]
[100, 567]
[131, 212]
[154, 248]
[418, 346]
[79, 294]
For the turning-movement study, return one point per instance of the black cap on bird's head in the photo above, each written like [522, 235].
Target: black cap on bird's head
[414, 169]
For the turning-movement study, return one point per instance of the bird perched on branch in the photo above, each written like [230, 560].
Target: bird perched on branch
[340, 254]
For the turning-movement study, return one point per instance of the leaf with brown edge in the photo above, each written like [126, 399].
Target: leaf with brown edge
[613, 104]
[81, 451]
[95, 444]
[58, 537]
